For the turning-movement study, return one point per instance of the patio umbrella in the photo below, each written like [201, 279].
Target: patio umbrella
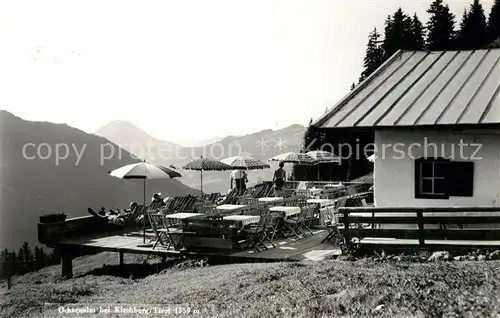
[299, 158]
[322, 156]
[294, 157]
[204, 164]
[245, 163]
[371, 158]
[144, 170]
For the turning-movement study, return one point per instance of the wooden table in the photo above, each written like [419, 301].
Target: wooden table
[286, 210]
[270, 199]
[230, 206]
[322, 203]
[243, 219]
[172, 218]
[181, 216]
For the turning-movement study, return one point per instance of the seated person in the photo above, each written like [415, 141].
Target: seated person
[102, 212]
[157, 201]
[131, 208]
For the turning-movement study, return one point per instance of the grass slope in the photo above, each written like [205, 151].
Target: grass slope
[329, 288]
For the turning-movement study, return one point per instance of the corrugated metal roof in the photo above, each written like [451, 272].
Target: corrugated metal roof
[424, 88]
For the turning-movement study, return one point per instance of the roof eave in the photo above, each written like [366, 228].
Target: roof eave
[417, 127]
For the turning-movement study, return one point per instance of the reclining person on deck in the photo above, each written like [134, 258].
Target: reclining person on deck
[113, 216]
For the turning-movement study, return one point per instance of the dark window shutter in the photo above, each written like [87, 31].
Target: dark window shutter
[461, 179]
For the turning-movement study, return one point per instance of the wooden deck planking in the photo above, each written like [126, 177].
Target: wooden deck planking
[286, 249]
[104, 241]
[294, 249]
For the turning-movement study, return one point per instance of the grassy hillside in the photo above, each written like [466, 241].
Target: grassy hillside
[32, 186]
[328, 288]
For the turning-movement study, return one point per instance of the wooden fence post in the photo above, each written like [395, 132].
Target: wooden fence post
[373, 219]
[420, 220]
[347, 234]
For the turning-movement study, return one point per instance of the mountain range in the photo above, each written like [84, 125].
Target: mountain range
[261, 145]
[34, 183]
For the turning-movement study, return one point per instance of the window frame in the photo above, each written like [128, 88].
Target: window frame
[419, 194]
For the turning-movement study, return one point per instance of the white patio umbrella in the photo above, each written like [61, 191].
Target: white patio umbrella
[245, 163]
[371, 158]
[294, 157]
[144, 170]
[322, 156]
[299, 158]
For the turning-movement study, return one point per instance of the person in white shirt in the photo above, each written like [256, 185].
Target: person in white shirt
[239, 178]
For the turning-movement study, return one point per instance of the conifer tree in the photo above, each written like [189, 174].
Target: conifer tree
[473, 32]
[9, 263]
[308, 140]
[418, 34]
[39, 256]
[440, 27]
[494, 22]
[374, 56]
[308, 144]
[4, 255]
[397, 34]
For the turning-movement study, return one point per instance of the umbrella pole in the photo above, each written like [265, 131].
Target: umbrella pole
[201, 181]
[318, 173]
[144, 220]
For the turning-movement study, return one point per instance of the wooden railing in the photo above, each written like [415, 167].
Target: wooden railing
[53, 233]
[421, 227]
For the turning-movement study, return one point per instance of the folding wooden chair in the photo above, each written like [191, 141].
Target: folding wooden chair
[331, 224]
[333, 231]
[309, 215]
[295, 224]
[257, 235]
[160, 229]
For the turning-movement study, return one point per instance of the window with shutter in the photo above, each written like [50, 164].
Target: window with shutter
[461, 179]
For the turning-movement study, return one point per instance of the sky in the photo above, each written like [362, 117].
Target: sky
[186, 70]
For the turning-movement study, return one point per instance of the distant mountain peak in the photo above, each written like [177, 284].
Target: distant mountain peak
[118, 125]
[123, 132]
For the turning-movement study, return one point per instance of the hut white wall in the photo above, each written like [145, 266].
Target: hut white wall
[394, 170]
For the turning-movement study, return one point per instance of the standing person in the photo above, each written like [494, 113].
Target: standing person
[244, 182]
[279, 177]
[239, 178]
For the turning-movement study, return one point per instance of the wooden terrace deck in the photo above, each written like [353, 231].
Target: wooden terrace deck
[202, 238]
[290, 249]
